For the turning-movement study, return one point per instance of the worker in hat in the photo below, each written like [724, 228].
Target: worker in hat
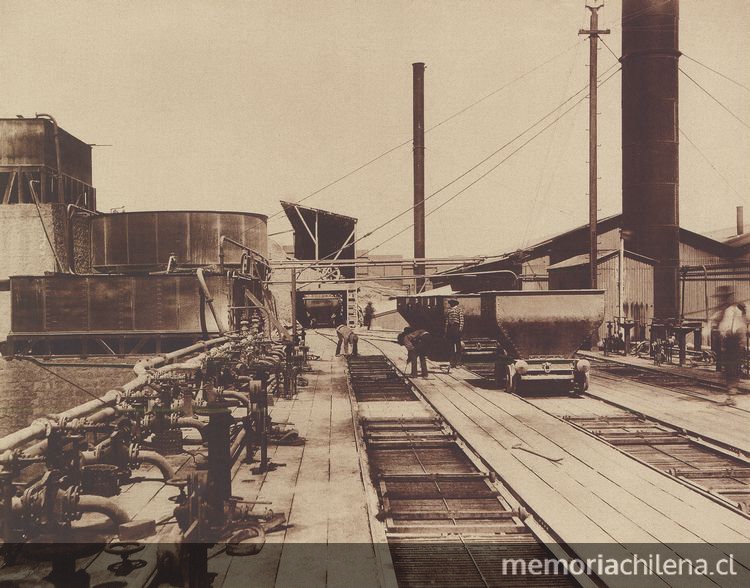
[368, 314]
[418, 343]
[454, 327]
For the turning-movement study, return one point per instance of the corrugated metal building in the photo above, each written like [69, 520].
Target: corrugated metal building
[559, 262]
[637, 277]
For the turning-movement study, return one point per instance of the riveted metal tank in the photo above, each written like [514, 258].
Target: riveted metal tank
[137, 241]
[68, 304]
[542, 323]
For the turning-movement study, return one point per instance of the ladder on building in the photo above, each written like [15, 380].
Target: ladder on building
[352, 318]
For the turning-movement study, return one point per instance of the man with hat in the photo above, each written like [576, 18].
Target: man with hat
[454, 326]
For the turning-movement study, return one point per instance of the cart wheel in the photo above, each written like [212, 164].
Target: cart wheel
[580, 383]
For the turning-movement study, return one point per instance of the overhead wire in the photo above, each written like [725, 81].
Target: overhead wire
[538, 194]
[726, 77]
[494, 167]
[705, 157]
[433, 127]
[715, 99]
[461, 111]
[639, 13]
[469, 170]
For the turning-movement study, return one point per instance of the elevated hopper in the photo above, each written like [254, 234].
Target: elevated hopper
[545, 323]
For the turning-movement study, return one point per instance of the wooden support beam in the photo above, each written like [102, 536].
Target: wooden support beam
[9, 187]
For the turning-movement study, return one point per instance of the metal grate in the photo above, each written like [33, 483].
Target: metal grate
[675, 453]
[373, 378]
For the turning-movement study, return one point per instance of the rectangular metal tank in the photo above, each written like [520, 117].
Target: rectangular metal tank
[69, 304]
[30, 142]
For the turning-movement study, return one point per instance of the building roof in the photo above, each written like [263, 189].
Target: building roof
[583, 260]
[728, 249]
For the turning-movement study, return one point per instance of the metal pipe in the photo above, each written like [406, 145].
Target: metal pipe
[102, 505]
[37, 429]
[364, 262]
[191, 423]
[418, 155]
[740, 220]
[60, 192]
[158, 460]
[209, 299]
[705, 293]
[90, 503]
[381, 278]
[82, 210]
[146, 364]
[237, 444]
[243, 398]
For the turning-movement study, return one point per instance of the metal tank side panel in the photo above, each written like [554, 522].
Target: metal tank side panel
[145, 240]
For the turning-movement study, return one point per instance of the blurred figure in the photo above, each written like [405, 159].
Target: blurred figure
[454, 327]
[346, 337]
[418, 343]
[369, 313]
[733, 332]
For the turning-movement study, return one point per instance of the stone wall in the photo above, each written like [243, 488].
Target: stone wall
[24, 249]
[28, 391]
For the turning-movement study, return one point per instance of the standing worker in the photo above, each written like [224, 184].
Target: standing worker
[346, 336]
[418, 343]
[369, 313]
[733, 332]
[454, 326]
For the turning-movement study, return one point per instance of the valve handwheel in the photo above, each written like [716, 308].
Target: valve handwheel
[180, 484]
[125, 550]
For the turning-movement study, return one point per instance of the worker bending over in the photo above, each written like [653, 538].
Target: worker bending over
[346, 336]
[417, 343]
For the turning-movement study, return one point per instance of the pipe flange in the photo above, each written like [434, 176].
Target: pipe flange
[133, 450]
[67, 504]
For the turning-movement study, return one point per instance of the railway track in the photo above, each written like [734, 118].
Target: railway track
[446, 519]
[708, 466]
[700, 389]
[716, 470]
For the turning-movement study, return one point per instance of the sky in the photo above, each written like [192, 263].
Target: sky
[235, 105]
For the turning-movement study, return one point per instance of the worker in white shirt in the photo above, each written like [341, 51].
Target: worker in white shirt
[733, 332]
[346, 337]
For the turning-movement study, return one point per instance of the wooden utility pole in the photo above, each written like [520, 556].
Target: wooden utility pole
[419, 215]
[593, 34]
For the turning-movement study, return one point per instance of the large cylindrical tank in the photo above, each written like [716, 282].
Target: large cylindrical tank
[650, 147]
[131, 241]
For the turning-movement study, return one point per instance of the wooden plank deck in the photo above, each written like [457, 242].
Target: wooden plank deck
[726, 424]
[594, 494]
[320, 486]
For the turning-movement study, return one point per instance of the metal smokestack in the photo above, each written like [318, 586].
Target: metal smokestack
[419, 231]
[650, 154]
[740, 221]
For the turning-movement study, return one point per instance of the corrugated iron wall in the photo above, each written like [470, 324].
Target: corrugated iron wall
[638, 295]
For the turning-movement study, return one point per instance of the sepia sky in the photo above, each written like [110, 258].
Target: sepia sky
[235, 105]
